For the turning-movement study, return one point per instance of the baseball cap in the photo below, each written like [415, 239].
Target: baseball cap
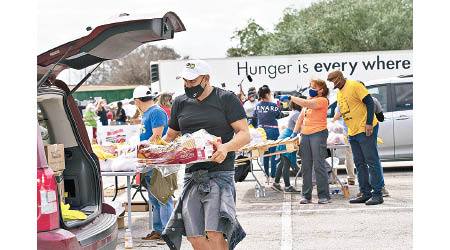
[141, 91]
[194, 68]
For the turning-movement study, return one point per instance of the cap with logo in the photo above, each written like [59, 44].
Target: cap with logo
[193, 69]
[142, 91]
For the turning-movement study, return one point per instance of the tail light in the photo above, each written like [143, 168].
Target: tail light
[47, 200]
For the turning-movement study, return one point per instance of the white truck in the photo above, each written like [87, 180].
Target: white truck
[286, 72]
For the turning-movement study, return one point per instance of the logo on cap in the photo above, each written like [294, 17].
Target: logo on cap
[190, 65]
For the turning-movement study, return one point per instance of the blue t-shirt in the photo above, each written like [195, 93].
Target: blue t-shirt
[154, 117]
[267, 113]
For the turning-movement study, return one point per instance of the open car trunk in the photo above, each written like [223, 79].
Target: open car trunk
[82, 181]
[61, 119]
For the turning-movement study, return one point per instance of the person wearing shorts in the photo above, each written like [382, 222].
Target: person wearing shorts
[206, 211]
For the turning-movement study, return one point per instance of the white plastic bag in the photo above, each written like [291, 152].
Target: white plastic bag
[123, 164]
[105, 166]
[335, 127]
[334, 139]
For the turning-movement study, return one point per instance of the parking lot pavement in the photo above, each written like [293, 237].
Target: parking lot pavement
[278, 221]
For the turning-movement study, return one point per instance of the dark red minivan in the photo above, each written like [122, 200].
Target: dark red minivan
[61, 123]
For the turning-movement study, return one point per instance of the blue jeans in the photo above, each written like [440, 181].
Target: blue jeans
[367, 162]
[272, 134]
[161, 213]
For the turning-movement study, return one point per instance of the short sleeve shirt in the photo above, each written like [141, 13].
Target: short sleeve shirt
[315, 120]
[293, 119]
[267, 113]
[152, 118]
[214, 114]
[353, 110]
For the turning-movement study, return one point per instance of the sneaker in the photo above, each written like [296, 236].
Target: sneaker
[291, 189]
[152, 236]
[305, 201]
[322, 201]
[272, 180]
[351, 182]
[160, 241]
[358, 194]
[277, 187]
[385, 192]
[375, 200]
[360, 199]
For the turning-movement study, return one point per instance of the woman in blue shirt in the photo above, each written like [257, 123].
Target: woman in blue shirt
[267, 113]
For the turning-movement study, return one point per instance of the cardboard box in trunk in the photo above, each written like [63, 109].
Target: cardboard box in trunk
[55, 156]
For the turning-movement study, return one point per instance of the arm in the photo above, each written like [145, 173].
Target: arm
[311, 104]
[156, 132]
[241, 138]
[336, 117]
[299, 122]
[370, 110]
[171, 135]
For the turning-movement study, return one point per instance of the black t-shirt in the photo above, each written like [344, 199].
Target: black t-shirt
[120, 115]
[102, 113]
[214, 114]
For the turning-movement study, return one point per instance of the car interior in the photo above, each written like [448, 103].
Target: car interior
[80, 178]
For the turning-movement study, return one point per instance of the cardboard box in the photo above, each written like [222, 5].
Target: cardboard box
[121, 221]
[55, 156]
[60, 185]
[136, 206]
[109, 190]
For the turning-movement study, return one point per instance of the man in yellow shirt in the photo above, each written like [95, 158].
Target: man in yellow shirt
[357, 109]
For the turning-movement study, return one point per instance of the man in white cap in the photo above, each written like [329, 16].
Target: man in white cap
[153, 125]
[205, 211]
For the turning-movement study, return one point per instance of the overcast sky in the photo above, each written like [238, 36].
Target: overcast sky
[209, 24]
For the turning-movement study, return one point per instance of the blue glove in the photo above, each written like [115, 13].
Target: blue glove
[293, 135]
[283, 98]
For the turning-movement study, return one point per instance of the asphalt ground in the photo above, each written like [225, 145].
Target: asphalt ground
[278, 221]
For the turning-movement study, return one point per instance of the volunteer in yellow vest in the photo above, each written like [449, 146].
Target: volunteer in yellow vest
[357, 109]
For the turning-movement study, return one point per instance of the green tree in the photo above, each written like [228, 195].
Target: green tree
[251, 40]
[339, 26]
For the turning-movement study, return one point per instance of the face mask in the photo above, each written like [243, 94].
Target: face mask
[252, 99]
[313, 93]
[194, 92]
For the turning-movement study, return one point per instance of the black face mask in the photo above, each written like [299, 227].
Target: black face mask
[194, 92]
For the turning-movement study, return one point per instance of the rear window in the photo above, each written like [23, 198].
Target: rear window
[380, 92]
[403, 96]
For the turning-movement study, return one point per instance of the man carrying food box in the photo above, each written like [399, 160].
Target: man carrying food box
[160, 189]
[205, 210]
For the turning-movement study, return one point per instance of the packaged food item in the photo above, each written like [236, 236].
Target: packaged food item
[189, 148]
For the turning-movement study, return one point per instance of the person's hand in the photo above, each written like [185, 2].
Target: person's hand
[220, 152]
[369, 130]
[293, 135]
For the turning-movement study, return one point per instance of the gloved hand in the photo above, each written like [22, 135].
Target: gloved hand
[283, 98]
[293, 135]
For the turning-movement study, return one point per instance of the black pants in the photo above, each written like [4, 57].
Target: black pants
[284, 167]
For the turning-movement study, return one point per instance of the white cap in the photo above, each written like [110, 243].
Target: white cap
[193, 69]
[141, 91]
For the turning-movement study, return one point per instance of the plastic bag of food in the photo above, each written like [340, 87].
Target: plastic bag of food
[105, 165]
[124, 164]
[335, 138]
[189, 148]
[335, 127]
